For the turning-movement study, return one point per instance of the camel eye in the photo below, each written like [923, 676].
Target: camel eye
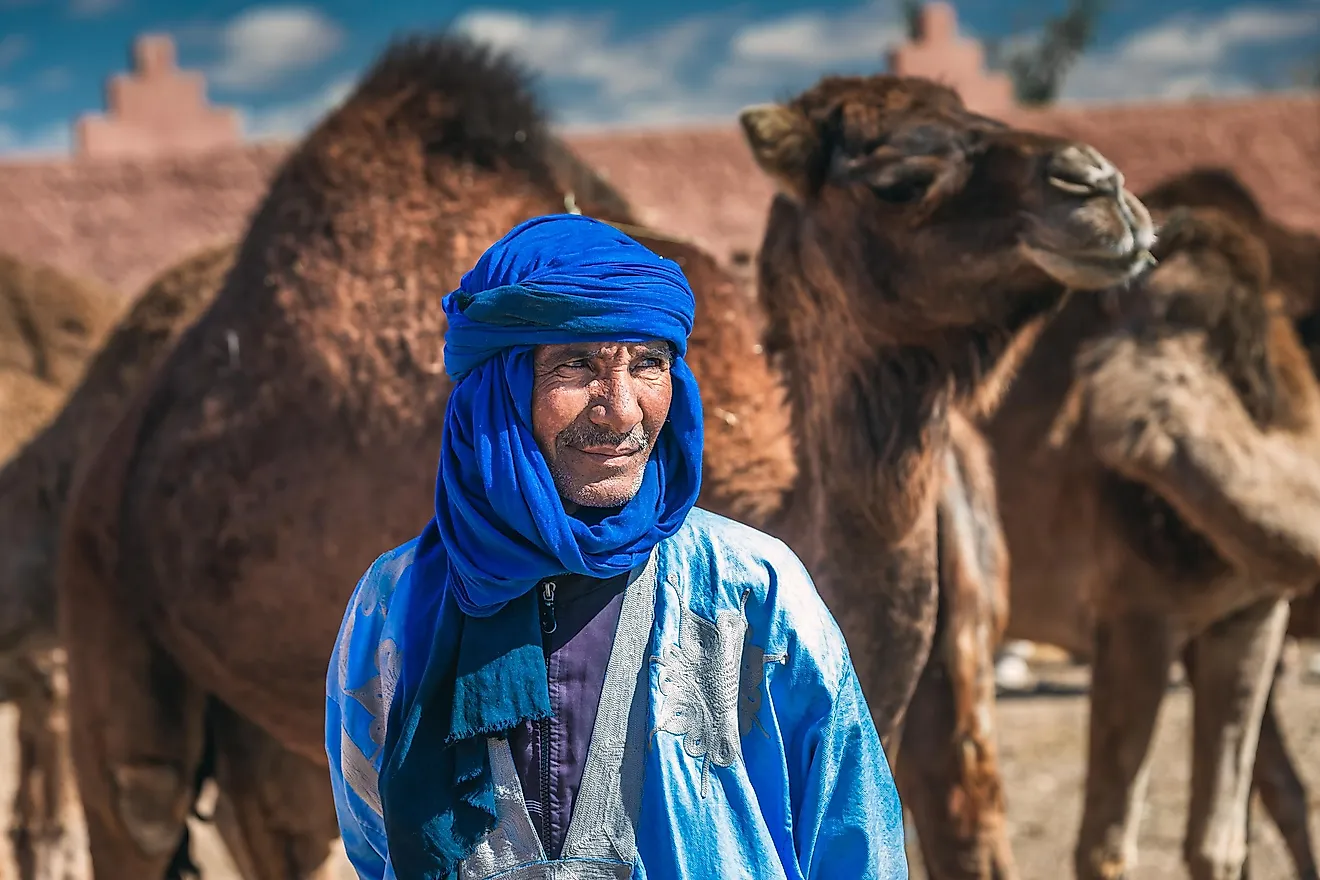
[909, 188]
[902, 182]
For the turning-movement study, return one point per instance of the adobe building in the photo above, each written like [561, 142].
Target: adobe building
[162, 172]
[157, 110]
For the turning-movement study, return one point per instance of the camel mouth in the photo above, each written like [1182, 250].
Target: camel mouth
[1082, 270]
[1103, 242]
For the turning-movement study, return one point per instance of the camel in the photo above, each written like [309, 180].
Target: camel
[34, 488]
[250, 804]
[50, 326]
[1058, 609]
[1158, 495]
[911, 256]
[290, 435]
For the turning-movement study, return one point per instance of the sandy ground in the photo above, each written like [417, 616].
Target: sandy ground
[1042, 737]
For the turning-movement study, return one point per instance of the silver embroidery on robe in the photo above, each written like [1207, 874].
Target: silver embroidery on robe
[375, 696]
[710, 687]
[754, 660]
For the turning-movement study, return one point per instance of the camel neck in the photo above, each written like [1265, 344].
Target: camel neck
[871, 441]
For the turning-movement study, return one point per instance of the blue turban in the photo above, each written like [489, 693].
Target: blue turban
[500, 526]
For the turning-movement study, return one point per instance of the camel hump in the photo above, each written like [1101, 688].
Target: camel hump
[467, 101]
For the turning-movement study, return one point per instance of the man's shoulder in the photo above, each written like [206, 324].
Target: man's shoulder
[707, 531]
[366, 620]
[377, 586]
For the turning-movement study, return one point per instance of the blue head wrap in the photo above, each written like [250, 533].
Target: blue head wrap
[500, 526]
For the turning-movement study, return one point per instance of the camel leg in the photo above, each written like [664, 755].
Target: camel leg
[47, 816]
[1129, 671]
[1281, 790]
[137, 728]
[275, 813]
[951, 785]
[1283, 794]
[1234, 661]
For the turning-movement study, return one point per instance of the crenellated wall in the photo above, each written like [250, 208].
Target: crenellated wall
[141, 193]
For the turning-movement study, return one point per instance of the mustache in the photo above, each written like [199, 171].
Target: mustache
[588, 434]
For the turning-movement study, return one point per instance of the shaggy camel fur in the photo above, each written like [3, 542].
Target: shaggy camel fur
[279, 447]
[1168, 477]
[34, 489]
[912, 254]
[1055, 609]
[50, 325]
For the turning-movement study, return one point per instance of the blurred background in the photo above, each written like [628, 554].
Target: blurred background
[134, 132]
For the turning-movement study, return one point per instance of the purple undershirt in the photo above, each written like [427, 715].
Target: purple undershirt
[550, 755]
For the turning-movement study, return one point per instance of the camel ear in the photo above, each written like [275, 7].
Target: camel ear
[784, 143]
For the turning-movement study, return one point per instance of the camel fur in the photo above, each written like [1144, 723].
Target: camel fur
[1055, 606]
[913, 247]
[1166, 475]
[50, 326]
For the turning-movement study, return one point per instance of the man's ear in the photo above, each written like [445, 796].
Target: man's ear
[784, 144]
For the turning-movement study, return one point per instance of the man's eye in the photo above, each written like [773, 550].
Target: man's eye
[579, 364]
[653, 363]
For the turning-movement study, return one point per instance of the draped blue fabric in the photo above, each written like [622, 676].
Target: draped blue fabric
[500, 527]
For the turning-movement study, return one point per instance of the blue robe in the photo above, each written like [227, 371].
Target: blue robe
[744, 745]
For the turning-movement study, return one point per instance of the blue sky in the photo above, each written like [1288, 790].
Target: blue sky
[285, 64]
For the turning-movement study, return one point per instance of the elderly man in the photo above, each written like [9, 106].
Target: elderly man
[573, 672]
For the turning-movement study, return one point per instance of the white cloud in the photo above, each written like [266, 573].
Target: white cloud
[1188, 55]
[51, 141]
[292, 120]
[12, 48]
[816, 39]
[704, 68]
[698, 69]
[93, 8]
[579, 49]
[265, 43]
[54, 79]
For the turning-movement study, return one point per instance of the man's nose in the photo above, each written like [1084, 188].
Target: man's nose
[616, 407]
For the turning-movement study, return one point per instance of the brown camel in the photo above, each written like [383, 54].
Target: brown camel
[291, 433]
[268, 810]
[34, 488]
[913, 252]
[50, 325]
[1058, 609]
[1166, 477]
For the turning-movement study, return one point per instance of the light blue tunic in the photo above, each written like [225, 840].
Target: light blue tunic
[758, 757]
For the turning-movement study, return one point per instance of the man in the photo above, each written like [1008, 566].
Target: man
[573, 672]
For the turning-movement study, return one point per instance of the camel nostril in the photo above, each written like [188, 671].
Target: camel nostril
[1082, 172]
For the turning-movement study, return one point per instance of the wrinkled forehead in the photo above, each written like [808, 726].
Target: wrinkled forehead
[609, 350]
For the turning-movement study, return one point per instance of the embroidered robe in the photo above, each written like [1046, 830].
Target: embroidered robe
[741, 744]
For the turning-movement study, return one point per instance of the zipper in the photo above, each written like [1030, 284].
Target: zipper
[548, 622]
[548, 625]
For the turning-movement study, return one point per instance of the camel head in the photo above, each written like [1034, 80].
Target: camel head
[1294, 256]
[930, 217]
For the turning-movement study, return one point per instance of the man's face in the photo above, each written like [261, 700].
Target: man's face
[597, 410]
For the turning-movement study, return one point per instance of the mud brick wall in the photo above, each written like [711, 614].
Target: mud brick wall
[122, 221]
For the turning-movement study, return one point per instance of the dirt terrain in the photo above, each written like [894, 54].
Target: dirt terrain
[1043, 737]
